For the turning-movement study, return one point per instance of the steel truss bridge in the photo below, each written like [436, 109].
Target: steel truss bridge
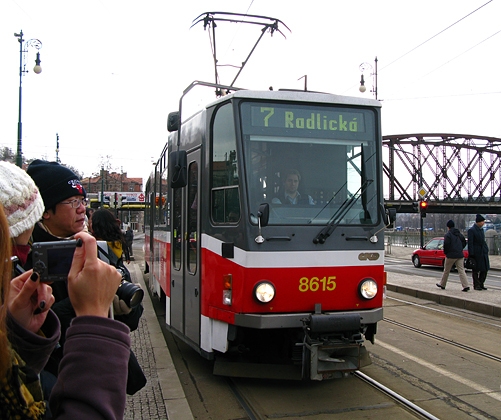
[456, 173]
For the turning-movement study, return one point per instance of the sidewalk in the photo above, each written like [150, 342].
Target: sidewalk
[486, 302]
[163, 396]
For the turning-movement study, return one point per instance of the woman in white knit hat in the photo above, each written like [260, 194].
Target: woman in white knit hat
[23, 205]
[33, 330]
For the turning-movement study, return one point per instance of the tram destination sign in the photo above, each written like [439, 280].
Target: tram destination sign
[313, 118]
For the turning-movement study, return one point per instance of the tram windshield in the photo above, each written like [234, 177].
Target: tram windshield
[312, 164]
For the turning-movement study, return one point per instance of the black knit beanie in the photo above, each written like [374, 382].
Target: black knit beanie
[55, 182]
[479, 218]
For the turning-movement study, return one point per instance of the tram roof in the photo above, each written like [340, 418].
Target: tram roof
[299, 96]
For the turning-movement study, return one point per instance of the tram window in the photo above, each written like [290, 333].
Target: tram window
[337, 168]
[163, 199]
[176, 228]
[158, 205]
[225, 205]
[192, 217]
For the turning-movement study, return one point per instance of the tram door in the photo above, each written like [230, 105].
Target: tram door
[185, 262]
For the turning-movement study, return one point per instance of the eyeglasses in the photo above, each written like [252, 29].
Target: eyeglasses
[76, 203]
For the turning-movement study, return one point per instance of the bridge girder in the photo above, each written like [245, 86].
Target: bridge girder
[457, 171]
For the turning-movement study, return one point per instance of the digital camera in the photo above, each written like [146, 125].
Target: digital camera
[52, 260]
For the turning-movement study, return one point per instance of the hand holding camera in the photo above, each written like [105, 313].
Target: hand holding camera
[29, 300]
[92, 284]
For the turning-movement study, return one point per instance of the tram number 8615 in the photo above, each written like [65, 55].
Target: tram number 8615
[315, 284]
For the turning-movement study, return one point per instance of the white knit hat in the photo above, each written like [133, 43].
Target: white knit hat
[20, 198]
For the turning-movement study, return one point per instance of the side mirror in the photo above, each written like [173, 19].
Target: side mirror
[264, 214]
[391, 216]
[178, 171]
[173, 122]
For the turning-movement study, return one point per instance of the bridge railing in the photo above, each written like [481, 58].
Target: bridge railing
[412, 239]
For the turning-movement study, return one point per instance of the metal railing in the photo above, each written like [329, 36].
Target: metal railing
[412, 240]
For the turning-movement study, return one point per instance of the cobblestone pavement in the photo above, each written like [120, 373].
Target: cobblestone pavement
[148, 402]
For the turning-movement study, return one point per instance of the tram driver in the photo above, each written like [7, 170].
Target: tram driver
[290, 194]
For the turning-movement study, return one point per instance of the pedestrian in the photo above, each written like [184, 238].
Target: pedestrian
[454, 243]
[65, 201]
[129, 238]
[105, 228]
[479, 251]
[23, 206]
[88, 219]
[86, 387]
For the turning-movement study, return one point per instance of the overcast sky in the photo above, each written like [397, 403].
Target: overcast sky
[114, 69]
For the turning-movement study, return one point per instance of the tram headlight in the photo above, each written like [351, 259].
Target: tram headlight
[368, 289]
[264, 292]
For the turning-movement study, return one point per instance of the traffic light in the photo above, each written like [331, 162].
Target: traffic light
[116, 199]
[423, 206]
[415, 206]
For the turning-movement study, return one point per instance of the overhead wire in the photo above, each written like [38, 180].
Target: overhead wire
[464, 52]
[434, 36]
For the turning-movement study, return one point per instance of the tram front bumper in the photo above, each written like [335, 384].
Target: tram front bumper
[271, 321]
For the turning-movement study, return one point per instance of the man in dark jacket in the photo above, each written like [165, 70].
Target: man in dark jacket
[64, 216]
[129, 238]
[478, 249]
[454, 243]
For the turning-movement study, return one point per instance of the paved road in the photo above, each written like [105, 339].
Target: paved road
[163, 397]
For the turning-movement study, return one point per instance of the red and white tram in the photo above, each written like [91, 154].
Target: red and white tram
[268, 282]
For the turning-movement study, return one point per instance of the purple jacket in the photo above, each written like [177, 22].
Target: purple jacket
[33, 348]
[93, 372]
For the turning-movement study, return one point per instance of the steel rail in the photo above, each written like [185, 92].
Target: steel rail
[397, 397]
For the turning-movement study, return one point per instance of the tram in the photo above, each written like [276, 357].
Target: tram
[264, 232]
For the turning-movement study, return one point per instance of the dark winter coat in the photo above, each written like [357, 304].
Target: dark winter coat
[64, 309]
[454, 242]
[34, 349]
[93, 373]
[477, 248]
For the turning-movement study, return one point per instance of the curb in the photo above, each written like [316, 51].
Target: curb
[173, 394]
[478, 307]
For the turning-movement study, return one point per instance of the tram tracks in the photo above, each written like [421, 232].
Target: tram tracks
[444, 340]
[410, 406]
[245, 403]
[254, 412]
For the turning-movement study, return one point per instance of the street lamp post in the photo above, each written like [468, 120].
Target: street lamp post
[23, 50]
[364, 67]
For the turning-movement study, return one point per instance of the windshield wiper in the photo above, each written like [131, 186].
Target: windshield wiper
[328, 202]
[347, 204]
[338, 216]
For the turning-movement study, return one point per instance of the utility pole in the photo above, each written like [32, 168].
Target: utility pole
[57, 148]
[102, 187]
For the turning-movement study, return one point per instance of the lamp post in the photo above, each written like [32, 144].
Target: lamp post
[23, 50]
[368, 67]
